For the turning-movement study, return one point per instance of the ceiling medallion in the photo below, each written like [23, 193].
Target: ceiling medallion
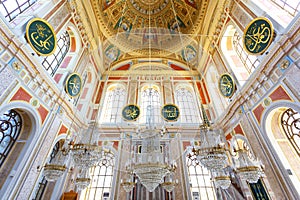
[149, 6]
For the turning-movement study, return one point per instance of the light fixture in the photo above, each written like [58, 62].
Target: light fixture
[211, 152]
[56, 168]
[53, 172]
[248, 170]
[221, 178]
[169, 183]
[83, 180]
[86, 152]
[150, 165]
[128, 183]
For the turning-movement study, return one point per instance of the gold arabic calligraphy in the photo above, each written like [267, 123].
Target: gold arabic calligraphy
[131, 113]
[257, 36]
[41, 37]
[226, 85]
[170, 113]
[74, 85]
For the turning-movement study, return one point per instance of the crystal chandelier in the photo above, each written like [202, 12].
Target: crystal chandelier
[221, 178]
[128, 184]
[86, 152]
[54, 170]
[83, 180]
[169, 184]
[248, 170]
[211, 152]
[150, 165]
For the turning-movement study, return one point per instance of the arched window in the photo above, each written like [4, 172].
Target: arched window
[101, 178]
[52, 62]
[189, 111]
[70, 43]
[241, 63]
[250, 62]
[12, 8]
[113, 104]
[282, 129]
[290, 123]
[10, 128]
[200, 183]
[150, 104]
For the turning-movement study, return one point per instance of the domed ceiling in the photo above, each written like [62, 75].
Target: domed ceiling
[156, 27]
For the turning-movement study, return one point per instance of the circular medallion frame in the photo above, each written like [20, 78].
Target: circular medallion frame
[226, 85]
[41, 36]
[73, 85]
[131, 112]
[170, 112]
[258, 36]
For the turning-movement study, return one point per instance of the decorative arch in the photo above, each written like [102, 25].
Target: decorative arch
[240, 63]
[87, 90]
[212, 79]
[20, 154]
[287, 159]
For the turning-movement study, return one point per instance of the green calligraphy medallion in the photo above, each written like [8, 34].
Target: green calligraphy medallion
[226, 85]
[73, 85]
[170, 112]
[130, 112]
[41, 36]
[258, 35]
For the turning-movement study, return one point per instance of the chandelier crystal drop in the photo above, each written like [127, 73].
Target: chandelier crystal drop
[169, 184]
[248, 170]
[128, 184]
